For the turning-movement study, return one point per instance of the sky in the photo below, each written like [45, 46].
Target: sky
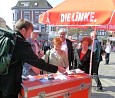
[6, 12]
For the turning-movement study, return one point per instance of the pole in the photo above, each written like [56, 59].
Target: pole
[90, 69]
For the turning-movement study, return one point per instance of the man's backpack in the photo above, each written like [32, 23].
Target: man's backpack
[7, 44]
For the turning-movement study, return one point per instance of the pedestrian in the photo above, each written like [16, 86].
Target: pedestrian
[78, 45]
[108, 51]
[97, 53]
[67, 46]
[10, 84]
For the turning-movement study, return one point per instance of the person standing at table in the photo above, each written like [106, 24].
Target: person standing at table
[33, 40]
[82, 55]
[10, 84]
[55, 55]
[67, 46]
[83, 60]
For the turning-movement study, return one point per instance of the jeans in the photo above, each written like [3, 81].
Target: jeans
[26, 69]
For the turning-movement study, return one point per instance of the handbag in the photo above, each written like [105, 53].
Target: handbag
[76, 57]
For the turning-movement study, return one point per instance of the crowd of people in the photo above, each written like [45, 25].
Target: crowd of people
[32, 59]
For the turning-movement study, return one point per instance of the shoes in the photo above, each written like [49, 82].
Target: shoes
[99, 89]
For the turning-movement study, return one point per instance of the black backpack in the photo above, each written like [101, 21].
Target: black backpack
[7, 44]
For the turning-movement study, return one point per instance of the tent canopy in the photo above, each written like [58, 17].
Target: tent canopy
[80, 12]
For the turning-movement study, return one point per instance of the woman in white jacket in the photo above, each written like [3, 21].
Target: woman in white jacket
[56, 55]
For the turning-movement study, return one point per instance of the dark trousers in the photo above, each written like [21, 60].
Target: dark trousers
[95, 74]
[8, 96]
[46, 48]
[97, 80]
[107, 58]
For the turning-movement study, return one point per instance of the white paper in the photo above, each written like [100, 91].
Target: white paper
[31, 78]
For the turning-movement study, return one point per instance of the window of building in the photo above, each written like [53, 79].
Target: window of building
[27, 15]
[36, 16]
[43, 28]
[13, 17]
[36, 27]
[53, 28]
[18, 17]
[101, 33]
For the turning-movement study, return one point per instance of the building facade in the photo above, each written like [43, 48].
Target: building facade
[30, 10]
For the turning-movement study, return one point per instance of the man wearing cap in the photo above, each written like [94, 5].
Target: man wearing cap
[67, 46]
[33, 40]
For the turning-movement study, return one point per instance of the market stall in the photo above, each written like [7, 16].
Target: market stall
[75, 85]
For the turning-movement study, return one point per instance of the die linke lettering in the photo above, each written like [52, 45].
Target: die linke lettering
[109, 27]
[78, 17]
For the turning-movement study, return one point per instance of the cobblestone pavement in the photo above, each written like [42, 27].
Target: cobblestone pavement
[107, 77]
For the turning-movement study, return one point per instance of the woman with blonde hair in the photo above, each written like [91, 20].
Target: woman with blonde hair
[56, 55]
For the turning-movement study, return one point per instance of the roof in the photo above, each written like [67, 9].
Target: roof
[32, 4]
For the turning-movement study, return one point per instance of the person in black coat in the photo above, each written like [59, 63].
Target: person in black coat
[97, 59]
[70, 53]
[84, 56]
[10, 84]
[67, 46]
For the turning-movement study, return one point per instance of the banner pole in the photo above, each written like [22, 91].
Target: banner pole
[92, 49]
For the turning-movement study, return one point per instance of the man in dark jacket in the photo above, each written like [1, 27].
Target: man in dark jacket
[67, 46]
[10, 84]
[97, 53]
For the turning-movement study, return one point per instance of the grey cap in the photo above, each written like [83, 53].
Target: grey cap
[2, 23]
[62, 30]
